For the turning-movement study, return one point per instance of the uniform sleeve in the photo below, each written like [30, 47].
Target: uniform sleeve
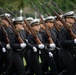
[65, 38]
[15, 44]
[45, 39]
[31, 40]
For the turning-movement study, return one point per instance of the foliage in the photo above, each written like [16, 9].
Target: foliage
[15, 5]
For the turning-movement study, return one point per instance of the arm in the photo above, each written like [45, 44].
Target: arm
[65, 38]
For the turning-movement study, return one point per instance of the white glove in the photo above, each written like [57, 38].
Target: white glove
[52, 46]
[34, 49]
[8, 46]
[23, 45]
[75, 41]
[3, 50]
[50, 54]
[41, 46]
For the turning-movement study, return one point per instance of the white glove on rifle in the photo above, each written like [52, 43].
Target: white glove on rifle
[23, 45]
[34, 49]
[41, 46]
[3, 50]
[8, 46]
[75, 41]
[52, 46]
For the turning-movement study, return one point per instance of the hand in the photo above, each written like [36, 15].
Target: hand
[23, 45]
[34, 49]
[50, 54]
[75, 41]
[3, 50]
[41, 46]
[8, 46]
[52, 46]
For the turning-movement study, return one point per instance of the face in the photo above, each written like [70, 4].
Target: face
[36, 28]
[70, 20]
[19, 26]
[59, 23]
[5, 22]
[50, 25]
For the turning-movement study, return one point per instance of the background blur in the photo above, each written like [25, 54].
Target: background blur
[26, 6]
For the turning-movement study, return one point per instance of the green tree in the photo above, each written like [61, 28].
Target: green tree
[16, 5]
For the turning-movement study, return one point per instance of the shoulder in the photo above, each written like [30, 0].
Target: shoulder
[30, 36]
[63, 29]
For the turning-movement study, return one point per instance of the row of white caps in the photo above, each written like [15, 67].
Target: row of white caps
[67, 14]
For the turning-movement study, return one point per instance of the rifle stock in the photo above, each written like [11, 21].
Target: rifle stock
[36, 38]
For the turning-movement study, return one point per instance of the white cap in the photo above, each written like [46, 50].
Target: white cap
[29, 19]
[69, 14]
[7, 14]
[19, 18]
[35, 22]
[49, 18]
[59, 15]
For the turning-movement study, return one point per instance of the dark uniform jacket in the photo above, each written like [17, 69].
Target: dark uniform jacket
[66, 40]
[32, 40]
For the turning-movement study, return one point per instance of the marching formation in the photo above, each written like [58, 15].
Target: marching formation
[48, 44]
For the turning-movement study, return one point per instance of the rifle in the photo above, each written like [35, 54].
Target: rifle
[46, 29]
[10, 12]
[23, 24]
[60, 11]
[55, 24]
[36, 38]
[15, 31]
[64, 23]
[44, 8]
[26, 29]
[1, 11]
[28, 25]
[5, 34]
